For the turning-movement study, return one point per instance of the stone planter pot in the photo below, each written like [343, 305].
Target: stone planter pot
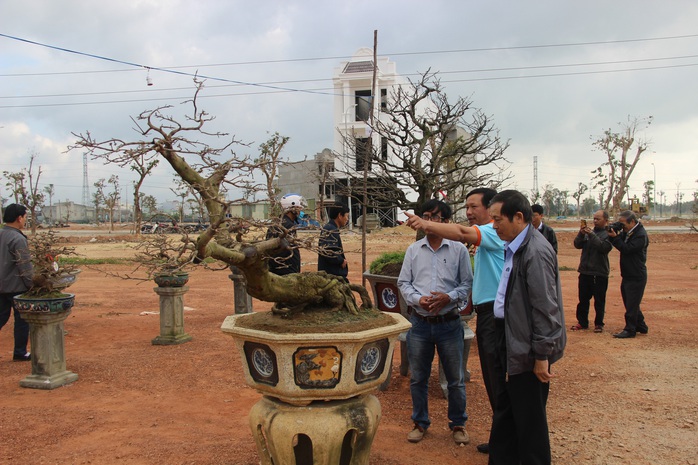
[171, 279]
[65, 280]
[45, 317]
[302, 368]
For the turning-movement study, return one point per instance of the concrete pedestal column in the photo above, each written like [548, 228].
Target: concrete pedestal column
[171, 316]
[48, 351]
[321, 433]
[243, 301]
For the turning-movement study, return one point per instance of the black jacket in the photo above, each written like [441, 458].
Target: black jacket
[595, 248]
[332, 253]
[549, 234]
[633, 252]
[287, 261]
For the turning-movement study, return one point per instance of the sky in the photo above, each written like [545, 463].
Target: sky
[553, 76]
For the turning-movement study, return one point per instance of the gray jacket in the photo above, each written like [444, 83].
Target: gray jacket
[15, 262]
[534, 317]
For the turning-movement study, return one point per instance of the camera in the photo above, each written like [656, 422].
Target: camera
[616, 226]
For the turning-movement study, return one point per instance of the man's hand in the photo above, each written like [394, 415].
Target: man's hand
[415, 222]
[612, 233]
[435, 302]
[542, 371]
[585, 230]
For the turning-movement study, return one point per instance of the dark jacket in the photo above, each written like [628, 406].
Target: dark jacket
[16, 268]
[549, 234]
[332, 253]
[287, 261]
[534, 316]
[595, 248]
[633, 252]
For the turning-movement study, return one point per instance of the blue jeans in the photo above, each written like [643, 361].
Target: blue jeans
[21, 327]
[447, 338]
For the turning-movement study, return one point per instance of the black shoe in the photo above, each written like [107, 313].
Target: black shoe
[22, 358]
[624, 335]
[483, 448]
[643, 329]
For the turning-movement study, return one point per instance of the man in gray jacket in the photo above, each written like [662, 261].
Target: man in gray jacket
[15, 274]
[530, 330]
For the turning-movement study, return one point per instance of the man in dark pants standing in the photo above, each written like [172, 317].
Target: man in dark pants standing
[530, 330]
[632, 244]
[15, 274]
[287, 261]
[489, 259]
[331, 257]
[593, 271]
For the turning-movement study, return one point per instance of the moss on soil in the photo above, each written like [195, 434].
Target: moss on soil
[317, 321]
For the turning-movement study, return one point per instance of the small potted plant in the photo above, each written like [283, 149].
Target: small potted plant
[50, 278]
[164, 261]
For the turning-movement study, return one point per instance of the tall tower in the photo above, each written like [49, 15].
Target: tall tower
[85, 183]
[535, 175]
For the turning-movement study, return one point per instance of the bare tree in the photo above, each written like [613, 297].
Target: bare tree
[24, 186]
[196, 163]
[50, 191]
[98, 198]
[111, 199]
[577, 195]
[427, 145]
[268, 162]
[622, 150]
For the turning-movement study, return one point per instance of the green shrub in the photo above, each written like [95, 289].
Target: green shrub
[384, 259]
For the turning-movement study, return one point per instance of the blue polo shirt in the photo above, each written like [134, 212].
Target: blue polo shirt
[489, 261]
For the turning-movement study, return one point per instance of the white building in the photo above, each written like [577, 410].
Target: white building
[353, 83]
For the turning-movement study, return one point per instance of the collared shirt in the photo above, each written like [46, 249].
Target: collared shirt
[630, 233]
[489, 260]
[510, 249]
[446, 269]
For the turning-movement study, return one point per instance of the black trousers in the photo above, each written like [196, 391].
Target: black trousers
[21, 326]
[596, 287]
[519, 433]
[486, 348]
[632, 291]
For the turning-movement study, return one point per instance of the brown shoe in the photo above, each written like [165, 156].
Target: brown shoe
[460, 436]
[598, 329]
[417, 434]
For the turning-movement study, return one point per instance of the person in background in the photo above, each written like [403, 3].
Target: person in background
[545, 230]
[436, 275]
[530, 326]
[593, 271]
[15, 274]
[331, 257]
[632, 243]
[489, 260]
[287, 261]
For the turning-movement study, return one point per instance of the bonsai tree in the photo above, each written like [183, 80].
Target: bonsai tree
[51, 275]
[197, 163]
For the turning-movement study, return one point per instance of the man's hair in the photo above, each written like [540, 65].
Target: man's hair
[536, 208]
[12, 212]
[513, 201]
[628, 216]
[337, 210]
[444, 209]
[605, 214]
[486, 192]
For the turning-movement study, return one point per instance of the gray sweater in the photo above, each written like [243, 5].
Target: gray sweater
[16, 268]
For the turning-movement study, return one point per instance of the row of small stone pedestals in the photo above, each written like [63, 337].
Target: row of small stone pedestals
[47, 333]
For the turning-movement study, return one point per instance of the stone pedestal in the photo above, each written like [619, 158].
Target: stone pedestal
[171, 316]
[243, 301]
[335, 432]
[48, 351]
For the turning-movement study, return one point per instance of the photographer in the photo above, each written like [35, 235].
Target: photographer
[593, 271]
[630, 238]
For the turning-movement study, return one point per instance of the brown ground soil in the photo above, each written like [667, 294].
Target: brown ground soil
[613, 401]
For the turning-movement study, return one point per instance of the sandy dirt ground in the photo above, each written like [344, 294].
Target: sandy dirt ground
[613, 401]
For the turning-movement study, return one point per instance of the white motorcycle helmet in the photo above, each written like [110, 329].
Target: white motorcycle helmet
[293, 202]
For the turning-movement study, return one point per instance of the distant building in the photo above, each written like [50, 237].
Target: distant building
[313, 179]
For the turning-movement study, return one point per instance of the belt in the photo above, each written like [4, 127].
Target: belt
[450, 316]
[487, 306]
